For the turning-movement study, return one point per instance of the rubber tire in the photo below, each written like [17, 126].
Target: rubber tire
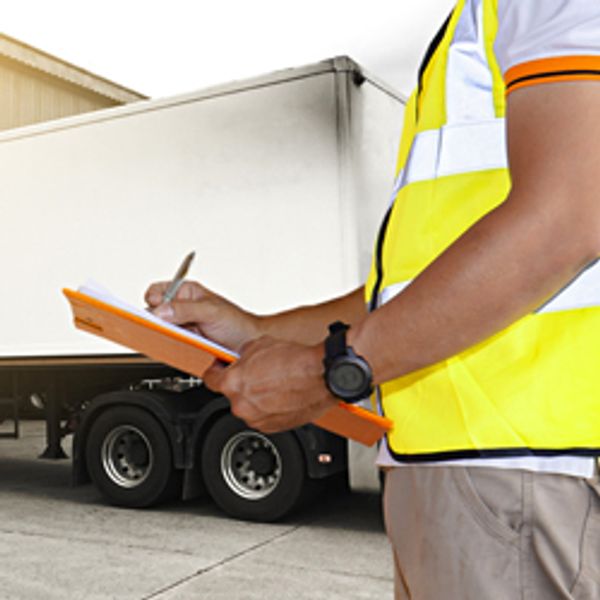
[285, 497]
[164, 482]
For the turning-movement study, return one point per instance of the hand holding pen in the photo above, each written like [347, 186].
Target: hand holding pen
[197, 308]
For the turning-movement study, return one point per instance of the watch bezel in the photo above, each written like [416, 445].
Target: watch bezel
[349, 395]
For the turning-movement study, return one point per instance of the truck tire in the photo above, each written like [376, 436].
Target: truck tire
[251, 475]
[129, 458]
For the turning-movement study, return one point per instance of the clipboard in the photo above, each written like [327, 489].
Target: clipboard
[193, 354]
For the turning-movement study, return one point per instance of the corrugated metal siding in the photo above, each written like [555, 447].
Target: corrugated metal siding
[28, 96]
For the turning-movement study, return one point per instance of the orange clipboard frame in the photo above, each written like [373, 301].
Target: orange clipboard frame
[194, 357]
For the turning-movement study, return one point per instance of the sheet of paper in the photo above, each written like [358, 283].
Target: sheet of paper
[99, 292]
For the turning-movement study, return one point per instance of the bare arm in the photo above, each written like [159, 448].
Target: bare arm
[518, 255]
[308, 324]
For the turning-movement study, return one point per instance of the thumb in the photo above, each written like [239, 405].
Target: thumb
[213, 377]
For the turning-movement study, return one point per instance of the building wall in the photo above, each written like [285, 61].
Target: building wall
[29, 96]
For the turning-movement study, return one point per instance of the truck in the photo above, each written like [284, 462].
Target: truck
[277, 182]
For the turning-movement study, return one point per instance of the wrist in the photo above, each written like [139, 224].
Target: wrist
[258, 326]
[347, 375]
[314, 369]
[357, 340]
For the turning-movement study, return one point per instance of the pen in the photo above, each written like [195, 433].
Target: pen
[179, 277]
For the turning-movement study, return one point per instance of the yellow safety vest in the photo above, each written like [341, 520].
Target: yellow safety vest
[535, 386]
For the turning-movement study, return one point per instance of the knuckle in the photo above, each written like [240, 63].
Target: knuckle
[154, 293]
[253, 345]
[230, 387]
[189, 291]
[240, 410]
[235, 410]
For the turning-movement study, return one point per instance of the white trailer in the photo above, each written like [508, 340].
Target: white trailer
[278, 183]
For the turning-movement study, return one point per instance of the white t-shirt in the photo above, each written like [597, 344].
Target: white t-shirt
[539, 41]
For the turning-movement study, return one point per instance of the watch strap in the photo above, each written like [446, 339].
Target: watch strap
[335, 343]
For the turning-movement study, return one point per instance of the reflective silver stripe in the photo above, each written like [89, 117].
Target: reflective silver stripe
[391, 291]
[582, 292]
[469, 79]
[455, 149]
[472, 139]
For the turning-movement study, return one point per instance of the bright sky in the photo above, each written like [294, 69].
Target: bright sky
[162, 48]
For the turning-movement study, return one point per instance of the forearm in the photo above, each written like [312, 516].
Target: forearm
[308, 324]
[506, 265]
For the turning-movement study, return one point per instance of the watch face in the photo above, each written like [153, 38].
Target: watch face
[348, 378]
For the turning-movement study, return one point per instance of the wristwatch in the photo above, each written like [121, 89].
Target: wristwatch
[347, 375]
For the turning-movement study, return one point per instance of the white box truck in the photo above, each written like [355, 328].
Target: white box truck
[278, 183]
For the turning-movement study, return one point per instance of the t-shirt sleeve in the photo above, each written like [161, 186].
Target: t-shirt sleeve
[541, 41]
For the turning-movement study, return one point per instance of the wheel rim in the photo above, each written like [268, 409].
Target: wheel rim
[251, 465]
[127, 456]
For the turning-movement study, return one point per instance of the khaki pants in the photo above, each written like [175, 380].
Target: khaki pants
[481, 533]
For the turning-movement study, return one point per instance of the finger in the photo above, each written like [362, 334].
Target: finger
[244, 410]
[213, 376]
[256, 343]
[155, 293]
[189, 290]
[185, 312]
[274, 424]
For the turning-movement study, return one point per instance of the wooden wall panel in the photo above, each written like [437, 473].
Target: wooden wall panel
[28, 96]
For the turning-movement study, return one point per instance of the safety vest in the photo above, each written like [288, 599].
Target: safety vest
[533, 388]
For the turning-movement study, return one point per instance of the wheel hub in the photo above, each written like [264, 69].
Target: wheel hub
[251, 465]
[127, 456]
[263, 462]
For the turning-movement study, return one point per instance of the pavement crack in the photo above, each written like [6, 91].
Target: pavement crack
[220, 563]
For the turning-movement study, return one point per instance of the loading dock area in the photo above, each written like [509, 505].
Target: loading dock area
[59, 541]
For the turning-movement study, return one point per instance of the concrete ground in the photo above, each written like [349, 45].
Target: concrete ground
[61, 542]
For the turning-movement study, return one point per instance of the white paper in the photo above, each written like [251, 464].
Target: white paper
[99, 292]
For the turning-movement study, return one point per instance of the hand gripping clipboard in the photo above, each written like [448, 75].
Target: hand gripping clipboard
[193, 354]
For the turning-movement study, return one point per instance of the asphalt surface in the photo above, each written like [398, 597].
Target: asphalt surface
[64, 542]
